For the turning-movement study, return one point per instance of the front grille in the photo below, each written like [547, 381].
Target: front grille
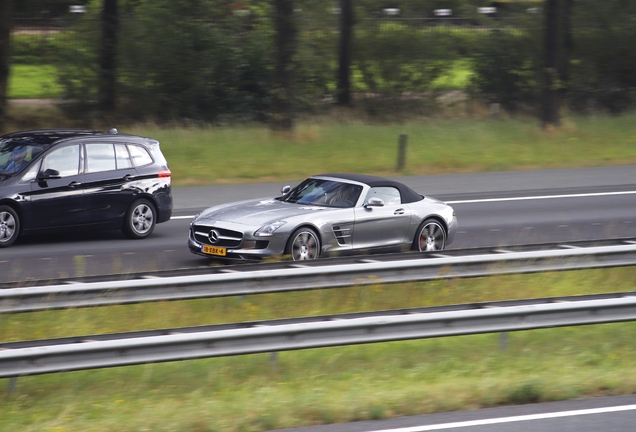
[226, 238]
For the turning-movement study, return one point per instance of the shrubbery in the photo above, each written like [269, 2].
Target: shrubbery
[506, 69]
[603, 70]
[174, 65]
[393, 58]
[176, 60]
[600, 74]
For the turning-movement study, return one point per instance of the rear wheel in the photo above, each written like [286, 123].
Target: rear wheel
[304, 244]
[140, 219]
[9, 226]
[430, 236]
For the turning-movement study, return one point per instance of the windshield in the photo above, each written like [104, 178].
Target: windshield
[325, 193]
[15, 155]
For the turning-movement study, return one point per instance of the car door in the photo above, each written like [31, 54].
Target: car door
[109, 176]
[384, 226]
[57, 194]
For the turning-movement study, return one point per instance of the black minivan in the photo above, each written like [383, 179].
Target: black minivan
[57, 178]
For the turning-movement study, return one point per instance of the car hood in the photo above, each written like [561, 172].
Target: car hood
[256, 212]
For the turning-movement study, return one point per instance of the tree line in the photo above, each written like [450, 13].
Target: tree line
[206, 59]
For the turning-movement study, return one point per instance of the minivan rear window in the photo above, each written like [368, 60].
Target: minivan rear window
[140, 155]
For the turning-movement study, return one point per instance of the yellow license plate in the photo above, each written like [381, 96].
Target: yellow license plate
[213, 250]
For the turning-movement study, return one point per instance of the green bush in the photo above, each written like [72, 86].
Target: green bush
[178, 59]
[77, 68]
[603, 70]
[392, 58]
[505, 69]
[35, 49]
[175, 67]
[600, 73]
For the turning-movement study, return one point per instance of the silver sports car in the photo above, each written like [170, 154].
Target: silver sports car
[327, 214]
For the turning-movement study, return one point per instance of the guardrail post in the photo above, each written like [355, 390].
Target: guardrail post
[503, 341]
[11, 385]
[273, 358]
[402, 151]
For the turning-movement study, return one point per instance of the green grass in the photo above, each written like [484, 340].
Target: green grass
[217, 155]
[33, 82]
[254, 393]
[251, 393]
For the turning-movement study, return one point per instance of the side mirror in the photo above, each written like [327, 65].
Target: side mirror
[49, 174]
[374, 202]
[285, 190]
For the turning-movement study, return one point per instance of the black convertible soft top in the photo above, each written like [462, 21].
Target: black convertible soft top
[407, 194]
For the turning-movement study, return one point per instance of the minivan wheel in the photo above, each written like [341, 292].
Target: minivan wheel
[140, 219]
[9, 226]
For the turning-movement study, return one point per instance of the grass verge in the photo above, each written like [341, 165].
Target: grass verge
[33, 82]
[217, 155]
[252, 393]
[256, 393]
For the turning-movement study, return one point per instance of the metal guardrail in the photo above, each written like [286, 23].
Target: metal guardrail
[298, 277]
[124, 350]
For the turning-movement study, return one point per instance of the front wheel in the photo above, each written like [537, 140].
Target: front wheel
[304, 244]
[430, 236]
[140, 219]
[9, 226]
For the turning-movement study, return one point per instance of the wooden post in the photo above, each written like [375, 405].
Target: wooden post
[402, 151]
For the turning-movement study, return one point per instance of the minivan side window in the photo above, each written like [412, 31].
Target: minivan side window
[389, 195]
[140, 155]
[100, 157]
[122, 157]
[65, 160]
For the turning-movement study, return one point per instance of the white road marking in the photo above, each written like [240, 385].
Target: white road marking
[540, 197]
[512, 419]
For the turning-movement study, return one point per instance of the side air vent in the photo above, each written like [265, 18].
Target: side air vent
[342, 233]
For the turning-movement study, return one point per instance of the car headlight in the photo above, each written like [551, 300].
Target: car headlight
[268, 230]
[195, 217]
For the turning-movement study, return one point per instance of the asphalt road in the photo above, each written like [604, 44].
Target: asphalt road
[494, 209]
[609, 414]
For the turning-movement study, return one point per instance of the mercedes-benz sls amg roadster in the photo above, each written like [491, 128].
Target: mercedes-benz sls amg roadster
[325, 215]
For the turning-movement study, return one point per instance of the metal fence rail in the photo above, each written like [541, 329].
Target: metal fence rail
[297, 277]
[318, 333]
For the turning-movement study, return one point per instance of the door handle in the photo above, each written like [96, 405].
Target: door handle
[398, 212]
[74, 184]
[129, 177]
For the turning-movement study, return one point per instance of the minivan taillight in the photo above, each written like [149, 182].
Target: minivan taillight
[166, 175]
